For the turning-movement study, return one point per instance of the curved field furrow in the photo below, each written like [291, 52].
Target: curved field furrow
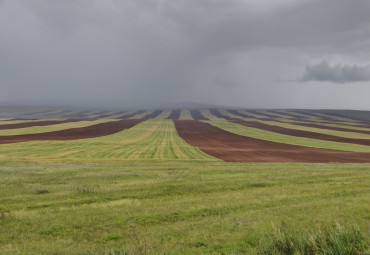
[37, 123]
[96, 130]
[197, 115]
[361, 116]
[113, 115]
[163, 115]
[335, 117]
[264, 116]
[276, 115]
[301, 133]
[218, 114]
[174, 115]
[312, 116]
[153, 114]
[264, 113]
[128, 116]
[247, 115]
[297, 115]
[81, 114]
[40, 112]
[231, 147]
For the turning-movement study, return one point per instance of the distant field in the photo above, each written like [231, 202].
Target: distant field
[318, 136]
[177, 181]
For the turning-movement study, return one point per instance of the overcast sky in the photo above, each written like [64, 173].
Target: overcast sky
[151, 53]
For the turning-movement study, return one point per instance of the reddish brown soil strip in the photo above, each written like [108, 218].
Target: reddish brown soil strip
[231, 147]
[301, 133]
[97, 130]
[174, 115]
[37, 123]
[197, 115]
[127, 116]
[153, 114]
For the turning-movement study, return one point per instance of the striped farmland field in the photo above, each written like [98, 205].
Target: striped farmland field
[213, 138]
[339, 126]
[286, 139]
[349, 133]
[151, 139]
[154, 135]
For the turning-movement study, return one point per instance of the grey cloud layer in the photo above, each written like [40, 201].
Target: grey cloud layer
[149, 52]
[337, 74]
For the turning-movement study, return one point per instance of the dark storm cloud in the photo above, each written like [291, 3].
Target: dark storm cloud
[154, 52]
[336, 73]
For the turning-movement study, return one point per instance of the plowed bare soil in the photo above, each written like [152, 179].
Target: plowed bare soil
[97, 130]
[174, 115]
[231, 147]
[197, 115]
[36, 123]
[301, 133]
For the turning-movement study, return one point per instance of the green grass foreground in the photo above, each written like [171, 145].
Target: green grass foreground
[179, 207]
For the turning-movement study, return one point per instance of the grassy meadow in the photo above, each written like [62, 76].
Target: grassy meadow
[172, 207]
